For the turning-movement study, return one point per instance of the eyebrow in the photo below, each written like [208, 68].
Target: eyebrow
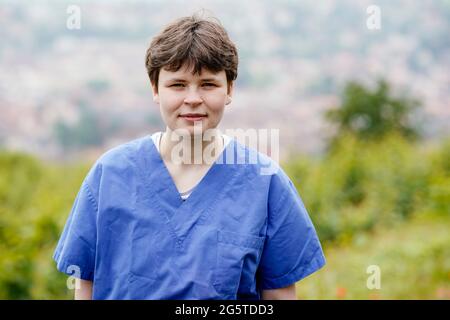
[183, 80]
[209, 79]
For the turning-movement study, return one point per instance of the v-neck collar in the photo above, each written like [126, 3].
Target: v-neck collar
[183, 215]
[171, 185]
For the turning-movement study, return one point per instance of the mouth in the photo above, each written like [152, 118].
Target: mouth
[193, 116]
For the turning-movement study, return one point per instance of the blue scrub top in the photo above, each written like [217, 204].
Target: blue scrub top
[240, 231]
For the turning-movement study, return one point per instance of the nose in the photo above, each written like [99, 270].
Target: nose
[193, 97]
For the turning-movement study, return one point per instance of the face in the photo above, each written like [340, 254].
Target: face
[186, 100]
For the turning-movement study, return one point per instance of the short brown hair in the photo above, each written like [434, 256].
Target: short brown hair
[199, 42]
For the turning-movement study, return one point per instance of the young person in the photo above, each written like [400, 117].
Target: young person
[147, 226]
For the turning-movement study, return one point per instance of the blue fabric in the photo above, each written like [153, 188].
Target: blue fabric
[239, 232]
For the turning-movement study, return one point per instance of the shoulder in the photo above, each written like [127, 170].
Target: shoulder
[261, 164]
[124, 154]
[266, 171]
[122, 159]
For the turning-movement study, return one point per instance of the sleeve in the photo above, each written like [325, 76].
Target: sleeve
[292, 250]
[75, 252]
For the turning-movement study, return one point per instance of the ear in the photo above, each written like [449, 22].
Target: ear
[230, 92]
[155, 94]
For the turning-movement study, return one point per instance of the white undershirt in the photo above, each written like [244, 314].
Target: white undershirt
[156, 137]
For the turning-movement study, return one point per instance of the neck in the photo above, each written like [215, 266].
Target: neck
[189, 150]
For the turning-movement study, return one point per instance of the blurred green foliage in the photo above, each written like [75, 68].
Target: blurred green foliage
[383, 202]
[35, 200]
[364, 184]
[378, 196]
[371, 114]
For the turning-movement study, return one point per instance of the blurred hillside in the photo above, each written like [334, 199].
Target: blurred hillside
[71, 93]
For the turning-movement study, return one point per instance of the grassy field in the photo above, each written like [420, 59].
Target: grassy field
[414, 259]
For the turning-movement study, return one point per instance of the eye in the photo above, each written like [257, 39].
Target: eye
[209, 84]
[177, 85]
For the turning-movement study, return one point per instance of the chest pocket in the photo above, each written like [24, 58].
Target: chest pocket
[147, 249]
[237, 259]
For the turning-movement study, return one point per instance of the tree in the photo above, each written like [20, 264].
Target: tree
[373, 114]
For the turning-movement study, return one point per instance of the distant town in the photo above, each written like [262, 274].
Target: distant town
[76, 93]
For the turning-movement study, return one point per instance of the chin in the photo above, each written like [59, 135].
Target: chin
[199, 127]
[193, 132]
